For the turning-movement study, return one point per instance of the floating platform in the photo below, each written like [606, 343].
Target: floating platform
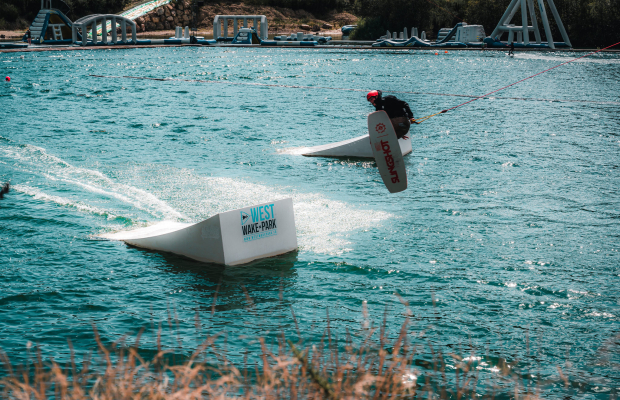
[13, 45]
[246, 36]
[153, 42]
[492, 43]
[172, 41]
[303, 37]
[356, 147]
[228, 238]
[291, 43]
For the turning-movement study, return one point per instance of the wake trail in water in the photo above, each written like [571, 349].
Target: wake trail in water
[323, 224]
[35, 160]
[62, 201]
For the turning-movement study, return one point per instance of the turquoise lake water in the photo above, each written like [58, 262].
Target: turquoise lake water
[510, 222]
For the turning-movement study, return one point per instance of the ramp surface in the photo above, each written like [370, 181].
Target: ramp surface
[355, 147]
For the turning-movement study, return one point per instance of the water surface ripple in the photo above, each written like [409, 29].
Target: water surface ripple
[510, 222]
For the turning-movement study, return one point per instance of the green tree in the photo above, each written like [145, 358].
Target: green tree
[394, 15]
[317, 7]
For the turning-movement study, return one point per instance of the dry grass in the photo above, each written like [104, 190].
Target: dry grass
[372, 368]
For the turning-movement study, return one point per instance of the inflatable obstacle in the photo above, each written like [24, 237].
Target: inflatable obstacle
[298, 39]
[523, 31]
[460, 36]
[462, 33]
[173, 41]
[81, 27]
[228, 238]
[13, 46]
[259, 23]
[246, 36]
[346, 31]
[356, 147]
[303, 37]
[50, 26]
[417, 42]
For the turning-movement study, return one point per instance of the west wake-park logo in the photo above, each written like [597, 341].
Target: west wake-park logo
[259, 224]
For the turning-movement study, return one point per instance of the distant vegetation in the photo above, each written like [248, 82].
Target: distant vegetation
[317, 7]
[589, 23]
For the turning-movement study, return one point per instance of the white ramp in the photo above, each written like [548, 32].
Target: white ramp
[356, 147]
[230, 238]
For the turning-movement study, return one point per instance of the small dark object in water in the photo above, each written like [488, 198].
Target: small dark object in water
[4, 190]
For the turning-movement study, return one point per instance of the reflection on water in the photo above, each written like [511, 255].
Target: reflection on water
[256, 273]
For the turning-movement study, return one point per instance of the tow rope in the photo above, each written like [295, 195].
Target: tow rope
[420, 120]
[613, 103]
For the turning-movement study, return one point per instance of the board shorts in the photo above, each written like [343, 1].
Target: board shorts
[401, 126]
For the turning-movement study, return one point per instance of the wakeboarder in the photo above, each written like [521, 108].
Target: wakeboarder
[4, 190]
[398, 110]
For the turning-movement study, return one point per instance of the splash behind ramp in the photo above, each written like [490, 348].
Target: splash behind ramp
[229, 238]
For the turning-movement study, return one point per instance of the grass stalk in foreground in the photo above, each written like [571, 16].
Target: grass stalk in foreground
[374, 368]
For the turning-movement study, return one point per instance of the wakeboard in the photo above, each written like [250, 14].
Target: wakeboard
[386, 150]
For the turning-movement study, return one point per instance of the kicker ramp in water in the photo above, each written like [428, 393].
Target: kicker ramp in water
[356, 147]
[229, 238]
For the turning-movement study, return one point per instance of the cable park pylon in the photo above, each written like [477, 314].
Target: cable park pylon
[523, 31]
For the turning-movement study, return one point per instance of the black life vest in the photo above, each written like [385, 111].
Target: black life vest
[393, 107]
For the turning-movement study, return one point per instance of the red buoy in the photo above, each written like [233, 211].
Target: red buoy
[8, 79]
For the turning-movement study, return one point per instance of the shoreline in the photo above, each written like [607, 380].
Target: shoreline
[16, 35]
[339, 44]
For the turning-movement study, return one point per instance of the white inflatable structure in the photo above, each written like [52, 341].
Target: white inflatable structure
[400, 35]
[229, 238]
[462, 33]
[83, 24]
[523, 31]
[50, 26]
[356, 147]
[222, 21]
